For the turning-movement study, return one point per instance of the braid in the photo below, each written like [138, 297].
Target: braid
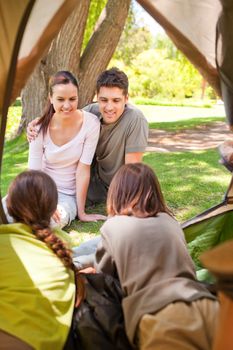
[32, 200]
[56, 244]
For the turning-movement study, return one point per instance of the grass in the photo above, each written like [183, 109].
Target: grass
[14, 160]
[185, 124]
[83, 231]
[155, 114]
[13, 120]
[191, 181]
[188, 102]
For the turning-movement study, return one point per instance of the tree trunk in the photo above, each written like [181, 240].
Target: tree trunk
[65, 54]
[33, 96]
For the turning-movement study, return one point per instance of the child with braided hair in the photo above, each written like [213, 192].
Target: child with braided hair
[37, 287]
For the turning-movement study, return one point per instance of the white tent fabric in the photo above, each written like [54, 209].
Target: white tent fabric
[9, 24]
[39, 19]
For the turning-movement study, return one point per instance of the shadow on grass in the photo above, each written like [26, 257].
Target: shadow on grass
[191, 181]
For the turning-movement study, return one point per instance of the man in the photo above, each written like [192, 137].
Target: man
[123, 134]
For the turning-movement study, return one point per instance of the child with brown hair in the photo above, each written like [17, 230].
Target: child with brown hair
[37, 287]
[165, 307]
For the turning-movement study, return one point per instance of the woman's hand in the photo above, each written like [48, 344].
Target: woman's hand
[82, 182]
[91, 217]
[57, 216]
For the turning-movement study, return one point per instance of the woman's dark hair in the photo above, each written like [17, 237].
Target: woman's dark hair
[61, 77]
[32, 200]
[135, 190]
[113, 77]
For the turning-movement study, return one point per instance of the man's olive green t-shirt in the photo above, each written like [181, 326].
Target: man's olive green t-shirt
[127, 135]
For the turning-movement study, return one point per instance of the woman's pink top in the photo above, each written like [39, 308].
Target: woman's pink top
[60, 162]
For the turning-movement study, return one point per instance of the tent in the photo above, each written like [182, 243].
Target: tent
[201, 29]
[209, 229]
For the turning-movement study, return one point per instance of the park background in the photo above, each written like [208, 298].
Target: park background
[172, 95]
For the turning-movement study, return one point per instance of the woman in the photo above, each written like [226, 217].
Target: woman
[37, 289]
[164, 306]
[65, 147]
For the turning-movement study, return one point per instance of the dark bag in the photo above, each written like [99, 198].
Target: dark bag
[98, 322]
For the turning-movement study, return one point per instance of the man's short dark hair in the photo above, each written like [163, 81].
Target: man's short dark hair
[113, 77]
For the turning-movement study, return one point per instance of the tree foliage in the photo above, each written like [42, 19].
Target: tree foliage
[134, 39]
[95, 9]
[157, 69]
[155, 74]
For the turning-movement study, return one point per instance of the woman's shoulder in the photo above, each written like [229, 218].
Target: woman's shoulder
[91, 118]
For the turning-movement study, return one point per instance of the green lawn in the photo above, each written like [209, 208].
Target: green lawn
[188, 102]
[155, 114]
[14, 160]
[13, 120]
[185, 124]
[191, 181]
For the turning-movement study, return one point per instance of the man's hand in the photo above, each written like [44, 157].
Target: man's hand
[135, 157]
[31, 130]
